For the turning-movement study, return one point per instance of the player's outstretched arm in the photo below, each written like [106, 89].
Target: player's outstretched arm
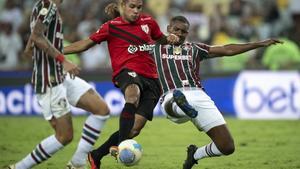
[170, 39]
[79, 46]
[234, 49]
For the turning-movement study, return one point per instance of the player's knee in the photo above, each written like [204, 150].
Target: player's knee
[228, 148]
[132, 94]
[101, 109]
[65, 138]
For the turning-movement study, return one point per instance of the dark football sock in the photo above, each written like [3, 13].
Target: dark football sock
[103, 150]
[126, 121]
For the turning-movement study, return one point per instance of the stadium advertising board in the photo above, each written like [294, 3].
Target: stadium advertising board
[267, 95]
[249, 95]
[21, 101]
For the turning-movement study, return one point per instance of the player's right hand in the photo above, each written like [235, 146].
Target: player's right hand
[173, 39]
[27, 54]
[71, 68]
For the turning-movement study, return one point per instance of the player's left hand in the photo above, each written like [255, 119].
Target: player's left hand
[71, 68]
[269, 42]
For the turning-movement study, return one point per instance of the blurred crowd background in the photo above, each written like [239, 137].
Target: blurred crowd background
[214, 22]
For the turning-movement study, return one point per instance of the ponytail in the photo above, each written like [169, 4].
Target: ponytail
[112, 10]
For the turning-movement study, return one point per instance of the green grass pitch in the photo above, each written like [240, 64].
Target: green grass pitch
[259, 144]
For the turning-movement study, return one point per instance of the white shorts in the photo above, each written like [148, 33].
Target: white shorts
[75, 89]
[208, 114]
[56, 101]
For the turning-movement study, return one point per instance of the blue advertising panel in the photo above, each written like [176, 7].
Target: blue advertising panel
[249, 95]
[220, 89]
[21, 100]
[267, 95]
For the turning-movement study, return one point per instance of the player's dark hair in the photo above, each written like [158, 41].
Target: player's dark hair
[181, 19]
[112, 10]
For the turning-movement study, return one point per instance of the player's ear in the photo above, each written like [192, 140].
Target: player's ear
[169, 28]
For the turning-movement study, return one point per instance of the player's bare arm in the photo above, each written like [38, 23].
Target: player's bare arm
[43, 43]
[170, 39]
[79, 46]
[27, 53]
[234, 49]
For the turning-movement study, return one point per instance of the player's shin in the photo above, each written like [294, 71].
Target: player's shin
[126, 121]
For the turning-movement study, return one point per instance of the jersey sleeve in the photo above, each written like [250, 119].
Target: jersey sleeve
[155, 30]
[202, 50]
[101, 34]
[47, 12]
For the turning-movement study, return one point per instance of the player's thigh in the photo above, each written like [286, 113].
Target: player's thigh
[127, 77]
[149, 98]
[92, 102]
[76, 88]
[208, 114]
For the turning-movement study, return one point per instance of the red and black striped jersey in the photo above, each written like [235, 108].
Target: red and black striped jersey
[128, 44]
[47, 72]
[179, 66]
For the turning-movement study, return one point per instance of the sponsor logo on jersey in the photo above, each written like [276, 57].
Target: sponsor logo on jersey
[177, 57]
[133, 48]
[177, 50]
[44, 11]
[132, 74]
[145, 28]
[116, 22]
[146, 19]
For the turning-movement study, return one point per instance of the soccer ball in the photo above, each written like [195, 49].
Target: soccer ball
[130, 152]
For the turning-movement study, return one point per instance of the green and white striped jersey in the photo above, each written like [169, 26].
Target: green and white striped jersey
[178, 66]
[47, 72]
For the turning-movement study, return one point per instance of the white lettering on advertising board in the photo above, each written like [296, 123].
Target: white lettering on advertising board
[267, 95]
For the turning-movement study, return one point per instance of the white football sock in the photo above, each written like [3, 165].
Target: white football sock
[42, 152]
[210, 150]
[91, 131]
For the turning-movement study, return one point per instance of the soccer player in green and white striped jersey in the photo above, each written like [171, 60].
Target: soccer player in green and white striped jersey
[183, 96]
[56, 90]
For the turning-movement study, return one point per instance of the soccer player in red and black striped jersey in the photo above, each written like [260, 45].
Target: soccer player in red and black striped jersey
[183, 97]
[56, 91]
[129, 37]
